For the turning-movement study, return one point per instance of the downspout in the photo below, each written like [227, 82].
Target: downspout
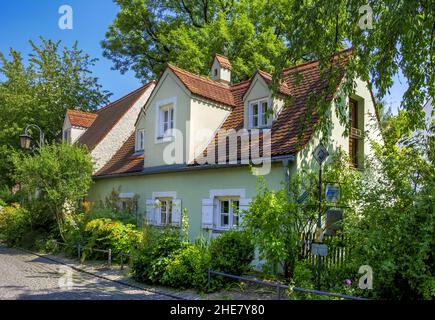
[285, 165]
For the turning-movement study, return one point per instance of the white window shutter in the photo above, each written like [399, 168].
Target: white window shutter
[150, 212]
[207, 213]
[176, 212]
[243, 205]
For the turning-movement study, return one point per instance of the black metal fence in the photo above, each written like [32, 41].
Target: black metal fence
[279, 286]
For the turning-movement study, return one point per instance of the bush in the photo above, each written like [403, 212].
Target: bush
[123, 216]
[232, 252]
[154, 255]
[14, 224]
[188, 267]
[108, 234]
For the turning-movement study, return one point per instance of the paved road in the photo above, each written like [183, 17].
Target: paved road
[27, 276]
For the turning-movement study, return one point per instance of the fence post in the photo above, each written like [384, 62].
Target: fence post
[122, 260]
[110, 257]
[78, 251]
[208, 280]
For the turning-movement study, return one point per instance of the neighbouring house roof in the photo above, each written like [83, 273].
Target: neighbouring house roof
[108, 116]
[125, 160]
[80, 119]
[298, 83]
[223, 61]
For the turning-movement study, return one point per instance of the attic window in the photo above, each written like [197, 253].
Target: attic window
[215, 72]
[140, 140]
[258, 114]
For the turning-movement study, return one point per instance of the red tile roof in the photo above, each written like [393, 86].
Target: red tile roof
[109, 116]
[223, 61]
[80, 119]
[299, 82]
[204, 87]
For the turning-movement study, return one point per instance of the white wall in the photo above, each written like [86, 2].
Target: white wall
[116, 137]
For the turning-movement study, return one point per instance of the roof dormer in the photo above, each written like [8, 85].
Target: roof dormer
[221, 69]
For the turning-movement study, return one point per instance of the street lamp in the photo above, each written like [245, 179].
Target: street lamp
[26, 139]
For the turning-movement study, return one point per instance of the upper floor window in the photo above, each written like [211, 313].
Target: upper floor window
[66, 136]
[228, 213]
[259, 114]
[166, 120]
[140, 140]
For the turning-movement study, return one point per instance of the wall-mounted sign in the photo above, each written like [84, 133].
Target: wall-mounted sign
[318, 249]
[332, 193]
[334, 218]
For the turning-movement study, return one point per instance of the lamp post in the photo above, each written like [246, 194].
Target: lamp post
[26, 139]
[320, 154]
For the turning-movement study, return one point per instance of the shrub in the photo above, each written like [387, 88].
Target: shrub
[232, 252]
[151, 259]
[188, 267]
[108, 234]
[14, 224]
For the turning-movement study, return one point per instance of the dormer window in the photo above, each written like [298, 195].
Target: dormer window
[259, 116]
[140, 140]
[215, 72]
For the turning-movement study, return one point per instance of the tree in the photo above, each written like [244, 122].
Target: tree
[274, 34]
[40, 92]
[58, 174]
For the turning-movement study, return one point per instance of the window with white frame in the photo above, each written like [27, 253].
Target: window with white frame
[165, 210]
[140, 140]
[66, 136]
[227, 212]
[166, 121]
[259, 114]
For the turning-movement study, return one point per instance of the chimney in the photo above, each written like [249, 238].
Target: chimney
[221, 69]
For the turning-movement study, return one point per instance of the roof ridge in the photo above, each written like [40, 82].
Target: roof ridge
[316, 61]
[127, 95]
[83, 112]
[224, 86]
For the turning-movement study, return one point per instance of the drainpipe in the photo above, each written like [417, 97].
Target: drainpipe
[285, 165]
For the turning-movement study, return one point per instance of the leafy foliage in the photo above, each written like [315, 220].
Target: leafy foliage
[59, 174]
[271, 35]
[232, 252]
[108, 234]
[53, 80]
[188, 268]
[14, 224]
[153, 256]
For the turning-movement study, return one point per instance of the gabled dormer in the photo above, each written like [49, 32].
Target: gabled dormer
[261, 108]
[75, 124]
[221, 69]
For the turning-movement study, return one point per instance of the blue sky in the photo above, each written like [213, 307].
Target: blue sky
[23, 20]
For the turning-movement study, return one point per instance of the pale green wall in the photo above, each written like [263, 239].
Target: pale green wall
[169, 87]
[191, 187]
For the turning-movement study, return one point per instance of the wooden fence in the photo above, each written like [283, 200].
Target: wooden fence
[337, 252]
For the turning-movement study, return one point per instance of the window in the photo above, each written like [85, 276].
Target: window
[66, 136]
[140, 140]
[215, 72]
[166, 121]
[353, 140]
[228, 213]
[259, 116]
[165, 210]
